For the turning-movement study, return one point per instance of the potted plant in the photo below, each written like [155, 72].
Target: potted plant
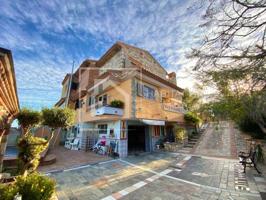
[117, 104]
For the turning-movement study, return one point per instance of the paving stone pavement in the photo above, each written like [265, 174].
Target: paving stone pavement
[218, 142]
[211, 172]
[152, 176]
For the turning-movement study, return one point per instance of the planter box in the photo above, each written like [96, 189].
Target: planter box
[107, 110]
[172, 147]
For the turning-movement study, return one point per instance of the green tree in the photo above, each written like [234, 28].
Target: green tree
[254, 106]
[58, 118]
[30, 147]
[235, 41]
[27, 119]
[191, 117]
[232, 58]
[190, 100]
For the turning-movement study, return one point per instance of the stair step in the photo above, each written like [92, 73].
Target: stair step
[184, 151]
[192, 142]
[195, 138]
[192, 139]
[189, 145]
[187, 148]
[48, 160]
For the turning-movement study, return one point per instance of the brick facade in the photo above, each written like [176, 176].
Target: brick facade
[106, 78]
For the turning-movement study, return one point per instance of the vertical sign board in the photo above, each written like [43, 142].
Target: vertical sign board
[123, 132]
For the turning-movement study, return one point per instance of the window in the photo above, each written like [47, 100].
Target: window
[148, 92]
[102, 99]
[90, 101]
[105, 99]
[102, 128]
[78, 104]
[74, 86]
[156, 131]
[145, 91]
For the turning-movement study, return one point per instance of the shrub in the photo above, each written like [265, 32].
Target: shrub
[7, 192]
[117, 104]
[30, 148]
[34, 186]
[180, 133]
[248, 126]
[260, 154]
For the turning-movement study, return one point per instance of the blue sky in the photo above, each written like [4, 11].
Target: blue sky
[46, 36]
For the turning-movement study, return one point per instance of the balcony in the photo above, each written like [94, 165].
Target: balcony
[108, 110]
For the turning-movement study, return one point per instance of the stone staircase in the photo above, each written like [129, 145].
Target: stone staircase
[192, 141]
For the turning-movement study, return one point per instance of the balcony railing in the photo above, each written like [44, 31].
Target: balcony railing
[108, 110]
[172, 108]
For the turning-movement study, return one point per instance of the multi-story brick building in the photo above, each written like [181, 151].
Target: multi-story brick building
[152, 100]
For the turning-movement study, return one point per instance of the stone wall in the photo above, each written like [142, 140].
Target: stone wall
[116, 62]
[149, 63]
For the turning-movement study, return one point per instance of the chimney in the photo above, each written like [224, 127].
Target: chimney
[172, 77]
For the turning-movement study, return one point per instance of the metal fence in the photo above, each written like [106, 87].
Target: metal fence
[89, 139]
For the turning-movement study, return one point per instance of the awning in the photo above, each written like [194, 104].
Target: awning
[153, 122]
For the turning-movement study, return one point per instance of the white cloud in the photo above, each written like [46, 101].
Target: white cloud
[165, 28]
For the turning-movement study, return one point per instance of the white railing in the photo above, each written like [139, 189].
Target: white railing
[109, 110]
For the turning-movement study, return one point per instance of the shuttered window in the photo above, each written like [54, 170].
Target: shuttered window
[139, 89]
[90, 101]
[145, 91]
[156, 131]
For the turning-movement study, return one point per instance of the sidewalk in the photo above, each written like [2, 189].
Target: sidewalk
[258, 179]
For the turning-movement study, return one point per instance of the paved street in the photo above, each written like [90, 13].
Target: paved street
[164, 176]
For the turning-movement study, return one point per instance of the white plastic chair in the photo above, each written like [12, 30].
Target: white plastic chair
[67, 144]
[74, 145]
